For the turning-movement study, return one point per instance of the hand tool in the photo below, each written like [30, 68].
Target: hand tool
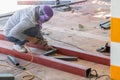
[15, 62]
[66, 58]
[50, 52]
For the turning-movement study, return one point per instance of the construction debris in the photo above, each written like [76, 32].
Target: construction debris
[15, 62]
[7, 76]
[105, 25]
[50, 52]
[66, 58]
[80, 26]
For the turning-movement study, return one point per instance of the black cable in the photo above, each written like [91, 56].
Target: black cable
[65, 43]
[104, 76]
[91, 75]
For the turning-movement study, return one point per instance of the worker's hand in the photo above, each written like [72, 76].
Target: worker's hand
[47, 47]
[45, 44]
[32, 40]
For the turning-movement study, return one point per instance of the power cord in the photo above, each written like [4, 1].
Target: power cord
[28, 75]
[90, 75]
[65, 43]
[96, 76]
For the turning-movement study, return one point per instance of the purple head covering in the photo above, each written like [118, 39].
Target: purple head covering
[45, 14]
[48, 11]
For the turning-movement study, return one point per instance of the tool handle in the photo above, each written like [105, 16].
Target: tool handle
[13, 60]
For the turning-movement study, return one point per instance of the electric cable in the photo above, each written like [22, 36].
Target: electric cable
[28, 74]
[90, 76]
[30, 52]
[96, 76]
[65, 43]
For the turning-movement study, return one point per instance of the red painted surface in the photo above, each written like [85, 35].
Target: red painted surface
[101, 59]
[28, 2]
[47, 61]
[2, 37]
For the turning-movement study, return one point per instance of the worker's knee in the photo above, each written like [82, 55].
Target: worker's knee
[12, 39]
[32, 31]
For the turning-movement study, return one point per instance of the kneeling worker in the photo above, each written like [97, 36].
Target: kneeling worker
[25, 26]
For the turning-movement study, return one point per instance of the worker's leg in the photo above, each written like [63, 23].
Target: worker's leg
[33, 32]
[18, 44]
[16, 41]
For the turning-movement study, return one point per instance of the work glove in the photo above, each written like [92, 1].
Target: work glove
[44, 43]
[32, 40]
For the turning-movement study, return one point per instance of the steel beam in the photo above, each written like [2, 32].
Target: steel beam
[6, 15]
[42, 2]
[85, 55]
[71, 3]
[97, 58]
[5, 48]
[2, 37]
[63, 3]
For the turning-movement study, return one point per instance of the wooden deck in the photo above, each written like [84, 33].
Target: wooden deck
[64, 27]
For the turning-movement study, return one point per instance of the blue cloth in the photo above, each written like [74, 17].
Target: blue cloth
[33, 32]
[16, 41]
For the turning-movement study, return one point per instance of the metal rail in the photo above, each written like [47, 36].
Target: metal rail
[55, 6]
[61, 5]
[6, 15]
[5, 48]
[101, 59]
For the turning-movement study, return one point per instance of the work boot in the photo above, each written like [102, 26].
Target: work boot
[20, 48]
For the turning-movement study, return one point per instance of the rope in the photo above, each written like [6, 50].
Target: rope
[90, 75]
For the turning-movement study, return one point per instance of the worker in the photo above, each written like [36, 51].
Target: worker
[25, 26]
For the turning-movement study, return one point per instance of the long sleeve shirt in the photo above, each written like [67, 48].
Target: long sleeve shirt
[19, 22]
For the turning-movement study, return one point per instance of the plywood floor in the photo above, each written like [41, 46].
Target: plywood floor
[64, 28]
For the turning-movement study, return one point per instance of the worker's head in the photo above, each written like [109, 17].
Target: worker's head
[46, 13]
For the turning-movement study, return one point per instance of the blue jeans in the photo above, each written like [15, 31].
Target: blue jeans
[16, 41]
[33, 32]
